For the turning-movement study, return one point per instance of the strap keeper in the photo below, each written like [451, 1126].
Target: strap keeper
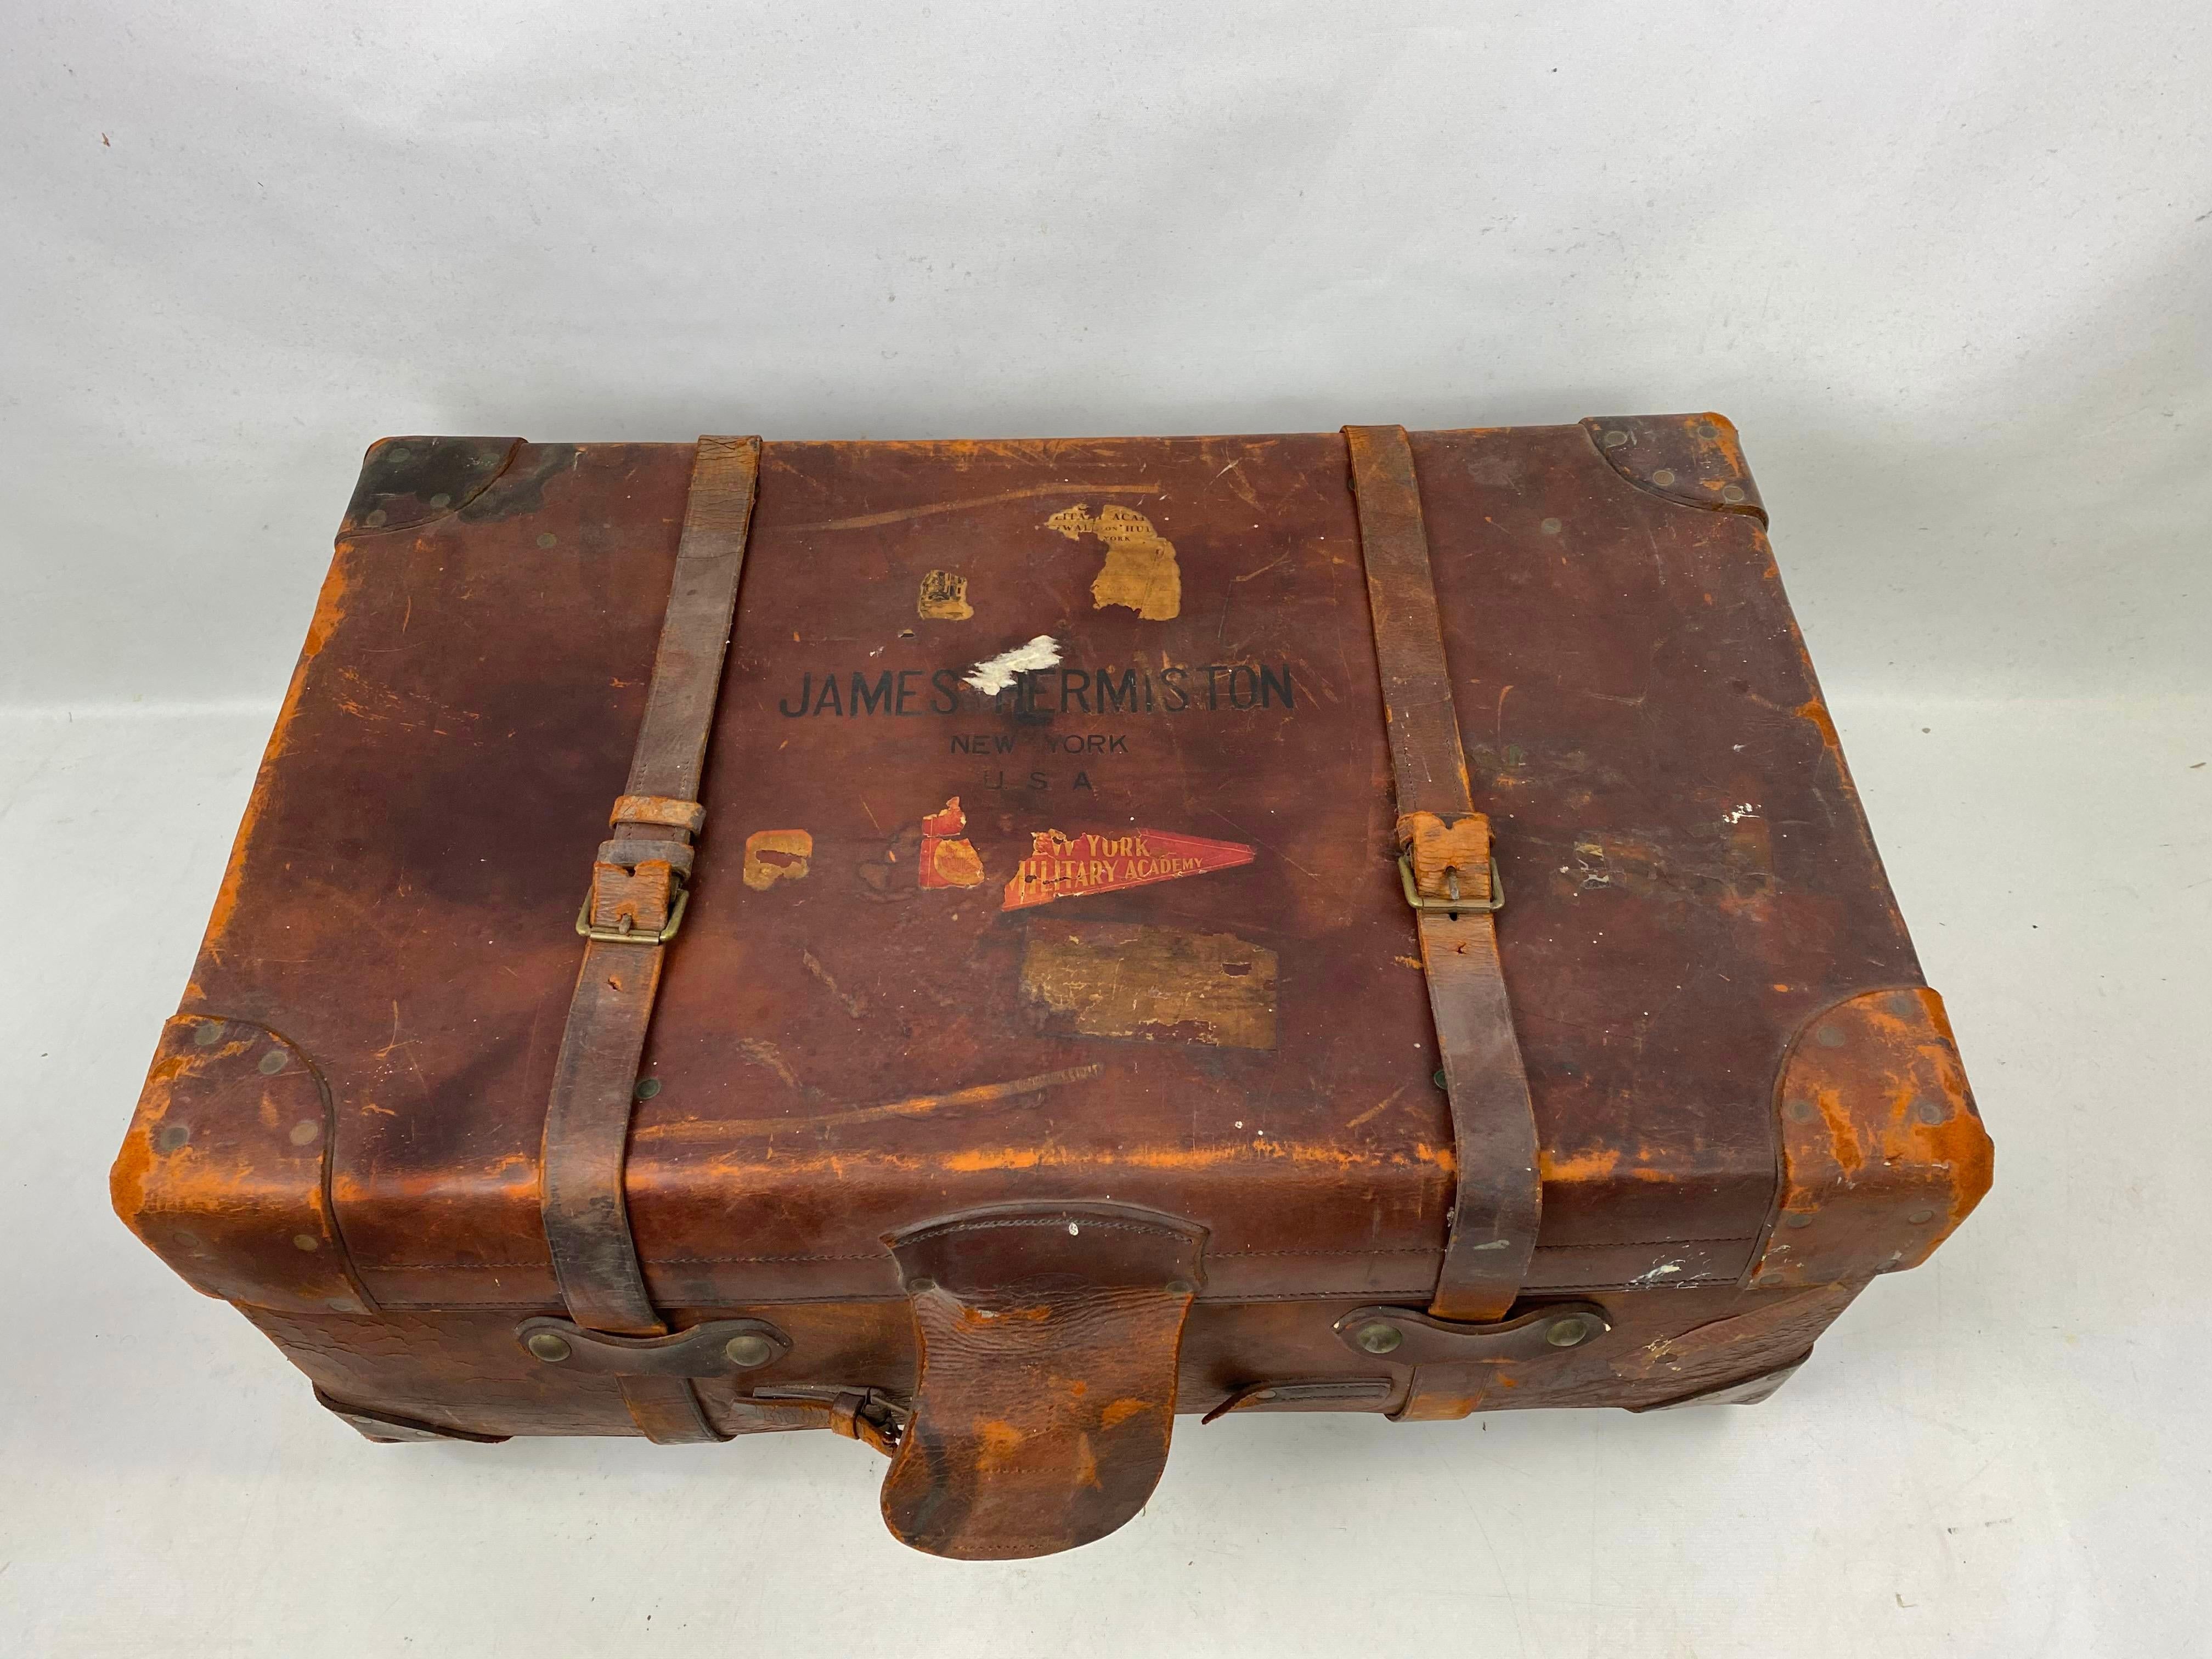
[640, 903]
[664, 809]
[1438, 853]
[1451, 901]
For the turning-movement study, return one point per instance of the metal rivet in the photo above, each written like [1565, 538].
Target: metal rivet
[1920, 1216]
[305, 1242]
[170, 1136]
[398, 453]
[1929, 1111]
[749, 1351]
[272, 1062]
[1181, 1287]
[1664, 477]
[441, 499]
[1614, 439]
[208, 1034]
[646, 1088]
[548, 539]
[1439, 1079]
[1732, 494]
[1829, 1036]
[306, 1130]
[1380, 1337]
[1796, 1219]
[1570, 1332]
[343, 1304]
[549, 1346]
[916, 1286]
[1800, 1111]
[374, 518]
[1550, 526]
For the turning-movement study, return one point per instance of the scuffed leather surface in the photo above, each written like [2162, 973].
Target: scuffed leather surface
[1628, 679]
[1883, 1150]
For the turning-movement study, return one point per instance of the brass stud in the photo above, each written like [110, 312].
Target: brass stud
[1181, 1287]
[1929, 1111]
[1829, 1036]
[1550, 526]
[916, 1286]
[1732, 494]
[549, 1346]
[1571, 1332]
[749, 1351]
[272, 1062]
[1614, 439]
[397, 452]
[548, 539]
[1921, 1217]
[1664, 478]
[209, 1033]
[306, 1131]
[170, 1136]
[1379, 1336]
[441, 499]
[305, 1242]
[1797, 1219]
[375, 519]
[1800, 1111]
[646, 1088]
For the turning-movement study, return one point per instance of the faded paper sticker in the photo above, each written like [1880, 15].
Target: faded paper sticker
[943, 597]
[1068, 867]
[1141, 572]
[1150, 984]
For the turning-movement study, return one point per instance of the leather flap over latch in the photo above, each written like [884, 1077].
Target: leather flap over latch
[1048, 1336]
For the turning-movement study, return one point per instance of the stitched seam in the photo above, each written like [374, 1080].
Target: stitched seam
[1649, 1244]
[1402, 1250]
[1056, 1223]
[1218, 1256]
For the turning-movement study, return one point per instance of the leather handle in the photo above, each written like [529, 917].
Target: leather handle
[1048, 1337]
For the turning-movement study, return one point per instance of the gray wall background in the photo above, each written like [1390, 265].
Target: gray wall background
[1945, 263]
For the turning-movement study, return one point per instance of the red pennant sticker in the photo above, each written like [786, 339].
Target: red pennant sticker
[1068, 866]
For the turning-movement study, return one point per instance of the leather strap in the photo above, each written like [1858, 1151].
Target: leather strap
[1447, 842]
[636, 900]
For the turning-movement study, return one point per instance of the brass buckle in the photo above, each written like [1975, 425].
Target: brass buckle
[1454, 903]
[628, 932]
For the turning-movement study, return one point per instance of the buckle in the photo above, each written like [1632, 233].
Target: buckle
[627, 932]
[1453, 904]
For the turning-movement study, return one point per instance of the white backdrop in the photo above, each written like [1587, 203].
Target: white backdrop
[1945, 263]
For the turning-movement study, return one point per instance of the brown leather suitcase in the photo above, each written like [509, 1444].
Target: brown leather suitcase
[1361, 921]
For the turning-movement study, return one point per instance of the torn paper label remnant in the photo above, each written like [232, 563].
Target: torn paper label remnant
[994, 674]
[943, 597]
[774, 855]
[1141, 571]
[947, 858]
[1149, 985]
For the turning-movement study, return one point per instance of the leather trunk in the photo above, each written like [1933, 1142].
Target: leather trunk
[1036, 1060]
